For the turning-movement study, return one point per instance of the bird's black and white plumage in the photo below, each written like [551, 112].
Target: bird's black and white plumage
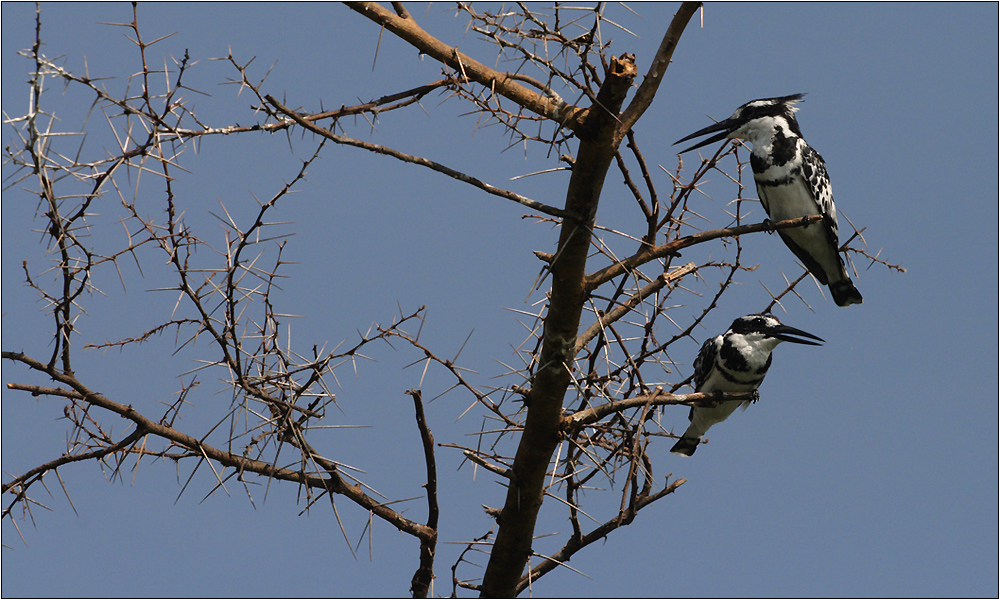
[735, 361]
[792, 182]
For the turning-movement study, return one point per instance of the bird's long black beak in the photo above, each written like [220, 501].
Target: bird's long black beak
[784, 333]
[726, 127]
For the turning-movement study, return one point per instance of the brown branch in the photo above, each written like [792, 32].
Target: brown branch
[776, 300]
[456, 372]
[512, 547]
[471, 69]
[400, 10]
[601, 435]
[574, 544]
[623, 309]
[333, 483]
[421, 582]
[417, 160]
[651, 82]
[590, 416]
[22, 481]
[649, 253]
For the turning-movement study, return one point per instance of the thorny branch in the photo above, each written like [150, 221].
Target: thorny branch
[378, 149]
[421, 582]
[278, 395]
[580, 403]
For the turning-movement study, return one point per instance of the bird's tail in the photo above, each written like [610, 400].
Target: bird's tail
[844, 293]
[686, 446]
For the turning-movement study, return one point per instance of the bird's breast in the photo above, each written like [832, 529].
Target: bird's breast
[786, 196]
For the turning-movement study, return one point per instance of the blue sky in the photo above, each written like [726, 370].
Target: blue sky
[869, 468]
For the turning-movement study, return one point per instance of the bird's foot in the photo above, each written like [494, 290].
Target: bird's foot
[769, 227]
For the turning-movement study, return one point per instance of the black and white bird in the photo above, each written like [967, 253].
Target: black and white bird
[735, 361]
[792, 182]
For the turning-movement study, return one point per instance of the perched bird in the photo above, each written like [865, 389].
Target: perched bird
[735, 361]
[792, 182]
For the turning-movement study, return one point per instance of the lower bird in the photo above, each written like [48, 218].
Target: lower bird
[735, 361]
[792, 182]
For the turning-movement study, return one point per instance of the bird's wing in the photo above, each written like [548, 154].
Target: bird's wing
[705, 361]
[818, 183]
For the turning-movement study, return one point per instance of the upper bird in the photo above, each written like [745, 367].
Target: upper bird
[735, 361]
[792, 182]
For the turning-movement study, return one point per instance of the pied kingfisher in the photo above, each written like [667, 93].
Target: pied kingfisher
[735, 361]
[791, 182]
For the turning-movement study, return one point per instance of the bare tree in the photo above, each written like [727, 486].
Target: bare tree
[582, 406]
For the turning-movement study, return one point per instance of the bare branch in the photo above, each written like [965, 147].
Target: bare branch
[647, 90]
[332, 482]
[664, 250]
[421, 582]
[577, 405]
[549, 210]
[470, 69]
